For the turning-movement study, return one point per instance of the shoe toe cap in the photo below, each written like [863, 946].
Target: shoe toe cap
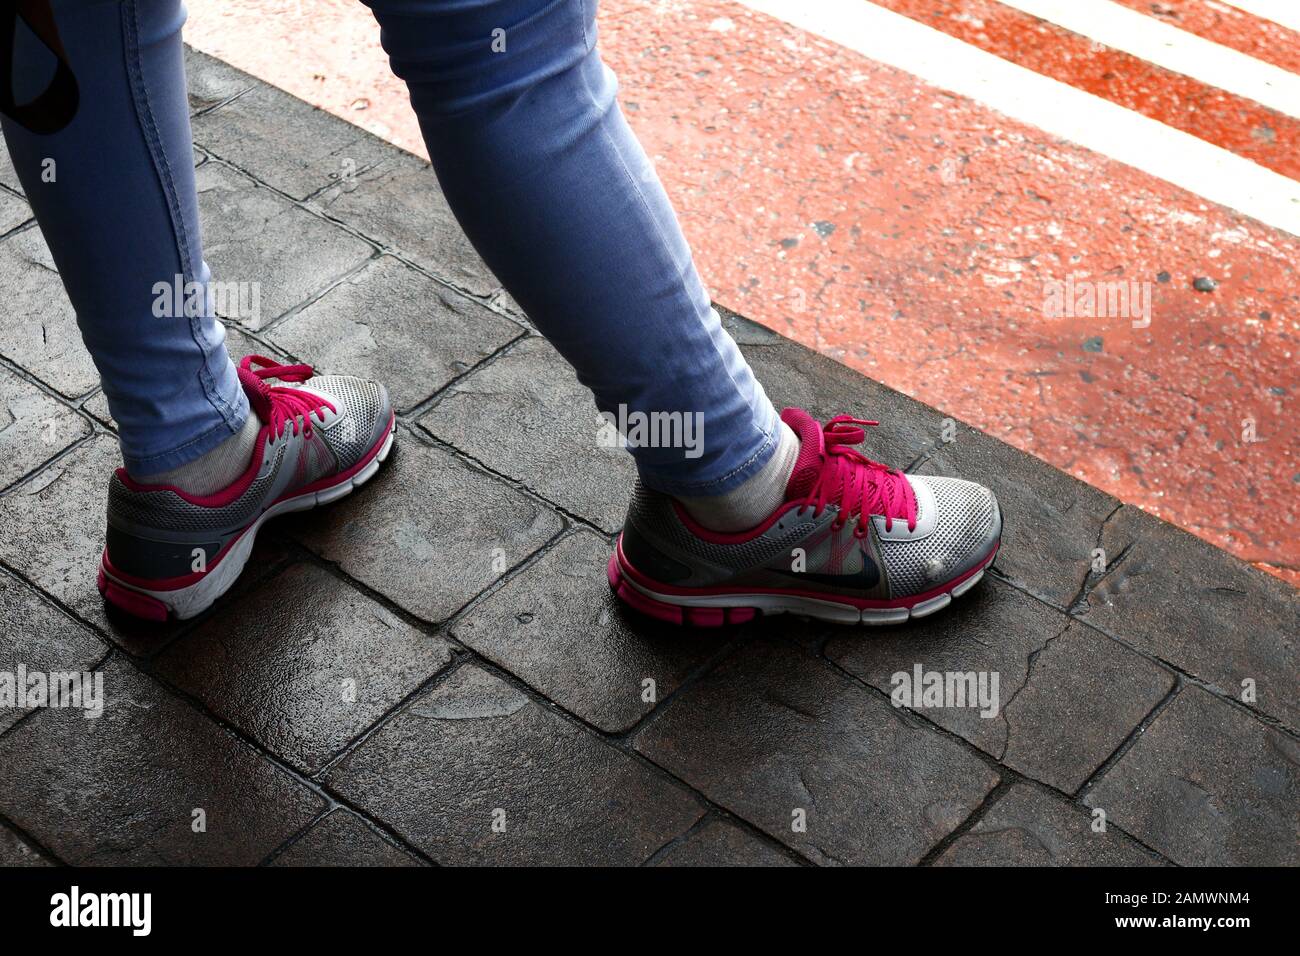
[965, 527]
[364, 411]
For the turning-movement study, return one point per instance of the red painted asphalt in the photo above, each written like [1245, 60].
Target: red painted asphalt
[912, 233]
[1240, 125]
[1226, 25]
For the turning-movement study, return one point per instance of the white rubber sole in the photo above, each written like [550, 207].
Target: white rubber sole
[185, 603]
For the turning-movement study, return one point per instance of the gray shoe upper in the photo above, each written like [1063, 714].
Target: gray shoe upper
[966, 526]
[154, 532]
[958, 523]
[362, 417]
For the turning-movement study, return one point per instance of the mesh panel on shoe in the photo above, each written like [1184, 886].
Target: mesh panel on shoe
[168, 511]
[965, 518]
[653, 515]
[356, 399]
[316, 461]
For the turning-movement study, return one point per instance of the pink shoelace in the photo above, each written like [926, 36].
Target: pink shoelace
[858, 485]
[276, 405]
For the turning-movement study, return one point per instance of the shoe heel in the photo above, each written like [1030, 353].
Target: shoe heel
[674, 613]
[157, 601]
[131, 602]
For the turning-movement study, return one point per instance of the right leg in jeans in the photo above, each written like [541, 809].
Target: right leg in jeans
[538, 163]
[540, 167]
[120, 216]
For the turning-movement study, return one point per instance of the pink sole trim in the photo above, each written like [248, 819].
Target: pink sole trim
[620, 572]
[132, 602]
[673, 613]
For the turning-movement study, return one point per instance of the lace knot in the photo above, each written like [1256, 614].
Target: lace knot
[857, 485]
[278, 406]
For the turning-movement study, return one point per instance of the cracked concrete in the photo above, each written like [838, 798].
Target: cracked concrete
[1029, 672]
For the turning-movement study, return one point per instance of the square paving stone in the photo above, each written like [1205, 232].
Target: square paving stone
[476, 772]
[1185, 601]
[40, 638]
[1050, 521]
[1050, 674]
[526, 416]
[16, 852]
[794, 376]
[58, 521]
[8, 177]
[558, 627]
[97, 408]
[303, 677]
[994, 629]
[209, 81]
[285, 142]
[1028, 827]
[13, 212]
[503, 301]
[722, 843]
[1208, 785]
[783, 741]
[397, 326]
[428, 531]
[33, 427]
[238, 344]
[1084, 695]
[397, 203]
[344, 839]
[251, 235]
[38, 329]
[124, 788]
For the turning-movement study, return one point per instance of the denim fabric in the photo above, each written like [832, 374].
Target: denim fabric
[536, 160]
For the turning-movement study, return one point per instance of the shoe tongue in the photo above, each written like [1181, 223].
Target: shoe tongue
[812, 447]
[258, 392]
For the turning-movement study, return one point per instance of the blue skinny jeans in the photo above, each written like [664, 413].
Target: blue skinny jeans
[534, 156]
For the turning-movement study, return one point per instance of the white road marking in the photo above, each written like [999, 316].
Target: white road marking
[1157, 42]
[1284, 12]
[1057, 108]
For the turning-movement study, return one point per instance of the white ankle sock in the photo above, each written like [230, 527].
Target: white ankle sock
[752, 502]
[216, 469]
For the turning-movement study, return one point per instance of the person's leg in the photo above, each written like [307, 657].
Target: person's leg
[550, 185]
[521, 122]
[211, 451]
[113, 193]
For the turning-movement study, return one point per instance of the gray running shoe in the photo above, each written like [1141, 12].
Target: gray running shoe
[853, 542]
[171, 554]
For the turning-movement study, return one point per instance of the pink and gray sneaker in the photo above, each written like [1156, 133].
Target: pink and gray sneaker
[171, 554]
[853, 542]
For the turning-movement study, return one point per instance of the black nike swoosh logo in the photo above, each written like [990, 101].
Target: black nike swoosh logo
[866, 577]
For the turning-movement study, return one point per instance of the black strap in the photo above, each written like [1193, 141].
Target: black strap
[57, 105]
